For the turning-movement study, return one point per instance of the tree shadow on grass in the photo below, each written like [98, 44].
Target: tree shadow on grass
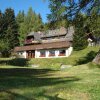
[20, 78]
[23, 72]
[88, 58]
[15, 62]
[13, 95]
[55, 97]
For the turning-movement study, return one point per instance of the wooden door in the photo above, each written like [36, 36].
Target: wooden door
[31, 54]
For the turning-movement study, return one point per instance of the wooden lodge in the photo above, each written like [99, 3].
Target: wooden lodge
[52, 44]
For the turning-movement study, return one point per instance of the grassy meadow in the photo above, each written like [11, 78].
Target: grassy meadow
[77, 58]
[49, 81]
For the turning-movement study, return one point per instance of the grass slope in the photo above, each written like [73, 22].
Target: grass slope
[80, 82]
[76, 58]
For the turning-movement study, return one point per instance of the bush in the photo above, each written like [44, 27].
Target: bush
[18, 62]
[15, 55]
[88, 58]
[15, 62]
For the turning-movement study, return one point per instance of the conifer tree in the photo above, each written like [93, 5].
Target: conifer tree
[38, 23]
[80, 37]
[27, 23]
[22, 28]
[1, 24]
[20, 17]
[58, 17]
[11, 28]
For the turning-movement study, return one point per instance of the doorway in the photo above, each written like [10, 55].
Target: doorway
[31, 54]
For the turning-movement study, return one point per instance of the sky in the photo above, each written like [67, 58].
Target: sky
[39, 6]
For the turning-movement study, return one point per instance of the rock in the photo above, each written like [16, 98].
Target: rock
[97, 59]
[34, 66]
[65, 66]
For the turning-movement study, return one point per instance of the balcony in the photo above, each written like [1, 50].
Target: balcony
[28, 41]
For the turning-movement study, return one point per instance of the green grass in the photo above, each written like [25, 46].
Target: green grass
[55, 63]
[76, 83]
[80, 82]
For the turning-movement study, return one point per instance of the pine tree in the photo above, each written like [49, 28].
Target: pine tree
[11, 28]
[1, 25]
[38, 26]
[3, 43]
[20, 17]
[58, 10]
[58, 17]
[80, 37]
[29, 20]
[87, 6]
[93, 23]
[22, 27]
[22, 33]
[27, 23]
[33, 21]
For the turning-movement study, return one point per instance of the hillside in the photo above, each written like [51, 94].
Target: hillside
[49, 82]
[76, 58]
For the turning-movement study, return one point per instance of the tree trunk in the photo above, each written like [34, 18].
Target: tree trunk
[97, 58]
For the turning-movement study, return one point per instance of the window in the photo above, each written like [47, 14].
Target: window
[20, 53]
[42, 53]
[29, 39]
[62, 52]
[51, 53]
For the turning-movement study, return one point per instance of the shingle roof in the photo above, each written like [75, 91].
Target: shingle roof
[36, 35]
[52, 45]
[31, 33]
[56, 32]
[51, 33]
[69, 35]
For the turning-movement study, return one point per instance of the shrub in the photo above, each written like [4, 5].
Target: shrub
[18, 62]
